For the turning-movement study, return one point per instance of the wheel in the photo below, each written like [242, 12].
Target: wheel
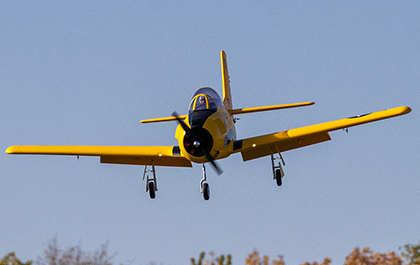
[152, 190]
[206, 191]
[278, 177]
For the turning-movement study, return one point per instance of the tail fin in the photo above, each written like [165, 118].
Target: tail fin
[227, 97]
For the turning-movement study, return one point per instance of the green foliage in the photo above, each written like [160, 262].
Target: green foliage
[221, 259]
[200, 259]
[212, 260]
[411, 253]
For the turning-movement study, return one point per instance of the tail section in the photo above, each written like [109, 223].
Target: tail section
[227, 97]
[266, 108]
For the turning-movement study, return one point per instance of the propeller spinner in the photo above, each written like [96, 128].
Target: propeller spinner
[199, 142]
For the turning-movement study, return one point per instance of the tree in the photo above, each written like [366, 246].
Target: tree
[213, 260]
[53, 255]
[327, 261]
[255, 259]
[369, 257]
[11, 259]
[412, 254]
[200, 259]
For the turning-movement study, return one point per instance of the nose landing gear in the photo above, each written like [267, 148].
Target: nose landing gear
[204, 187]
[206, 191]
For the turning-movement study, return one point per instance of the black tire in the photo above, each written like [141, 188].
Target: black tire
[206, 191]
[152, 190]
[278, 178]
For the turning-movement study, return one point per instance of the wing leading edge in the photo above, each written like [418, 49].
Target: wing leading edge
[171, 118]
[129, 155]
[260, 146]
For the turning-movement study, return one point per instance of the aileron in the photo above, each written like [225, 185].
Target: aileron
[134, 155]
[168, 161]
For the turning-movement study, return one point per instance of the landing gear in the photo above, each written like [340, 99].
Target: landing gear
[151, 185]
[278, 172]
[206, 191]
[152, 190]
[204, 187]
[278, 177]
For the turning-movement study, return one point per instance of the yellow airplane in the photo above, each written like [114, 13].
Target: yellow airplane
[208, 133]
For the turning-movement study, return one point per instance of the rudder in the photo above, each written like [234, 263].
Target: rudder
[227, 97]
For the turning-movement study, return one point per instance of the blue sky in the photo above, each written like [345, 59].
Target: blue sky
[83, 73]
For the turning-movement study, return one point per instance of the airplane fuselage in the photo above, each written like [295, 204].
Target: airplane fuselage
[211, 123]
[207, 133]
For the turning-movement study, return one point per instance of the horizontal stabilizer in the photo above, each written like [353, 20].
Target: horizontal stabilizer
[171, 118]
[267, 108]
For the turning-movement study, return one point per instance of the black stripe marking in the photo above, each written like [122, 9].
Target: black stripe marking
[237, 145]
[176, 151]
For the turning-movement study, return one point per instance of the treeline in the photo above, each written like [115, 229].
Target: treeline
[53, 255]
[410, 255]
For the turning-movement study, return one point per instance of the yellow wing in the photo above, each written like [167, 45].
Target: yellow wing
[260, 146]
[130, 155]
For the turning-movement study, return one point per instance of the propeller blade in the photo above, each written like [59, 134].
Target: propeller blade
[194, 138]
[185, 127]
[216, 168]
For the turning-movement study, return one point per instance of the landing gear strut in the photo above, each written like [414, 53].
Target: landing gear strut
[151, 185]
[278, 172]
[204, 187]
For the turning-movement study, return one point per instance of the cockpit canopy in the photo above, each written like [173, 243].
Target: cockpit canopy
[205, 98]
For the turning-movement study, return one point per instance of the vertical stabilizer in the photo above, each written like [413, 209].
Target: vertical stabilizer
[227, 97]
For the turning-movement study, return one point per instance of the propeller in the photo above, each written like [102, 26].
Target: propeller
[198, 143]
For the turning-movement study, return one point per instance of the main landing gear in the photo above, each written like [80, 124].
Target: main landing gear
[278, 172]
[151, 185]
[204, 187]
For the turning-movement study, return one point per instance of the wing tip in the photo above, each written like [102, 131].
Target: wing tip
[404, 110]
[12, 149]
